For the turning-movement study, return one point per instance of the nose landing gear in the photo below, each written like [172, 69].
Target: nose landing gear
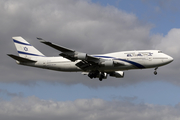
[155, 72]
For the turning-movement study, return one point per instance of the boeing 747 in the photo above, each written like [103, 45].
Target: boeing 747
[95, 66]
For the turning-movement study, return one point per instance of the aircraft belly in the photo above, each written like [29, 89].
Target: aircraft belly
[118, 68]
[70, 66]
[154, 63]
[58, 66]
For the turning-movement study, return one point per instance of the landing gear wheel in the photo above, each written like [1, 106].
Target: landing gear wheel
[101, 76]
[155, 72]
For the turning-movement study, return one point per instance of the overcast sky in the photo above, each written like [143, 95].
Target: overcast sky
[91, 26]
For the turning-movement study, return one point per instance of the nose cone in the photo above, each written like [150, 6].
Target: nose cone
[170, 59]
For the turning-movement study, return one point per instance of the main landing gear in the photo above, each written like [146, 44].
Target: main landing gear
[97, 74]
[102, 76]
[155, 72]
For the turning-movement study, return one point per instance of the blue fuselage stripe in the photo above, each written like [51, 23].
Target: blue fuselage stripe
[20, 52]
[21, 42]
[131, 62]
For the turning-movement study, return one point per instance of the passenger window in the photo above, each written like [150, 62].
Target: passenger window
[159, 51]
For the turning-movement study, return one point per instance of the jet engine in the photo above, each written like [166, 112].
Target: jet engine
[117, 74]
[81, 56]
[107, 63]
[111, 63]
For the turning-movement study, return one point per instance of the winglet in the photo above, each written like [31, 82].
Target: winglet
[41, 40]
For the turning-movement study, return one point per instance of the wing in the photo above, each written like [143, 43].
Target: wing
[55, 46]
[87, 61]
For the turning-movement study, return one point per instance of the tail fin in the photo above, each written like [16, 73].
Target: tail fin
[25, 49]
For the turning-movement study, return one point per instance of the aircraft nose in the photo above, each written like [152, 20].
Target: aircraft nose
[170, 59]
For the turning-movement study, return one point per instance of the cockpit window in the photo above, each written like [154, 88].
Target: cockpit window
[159, 51]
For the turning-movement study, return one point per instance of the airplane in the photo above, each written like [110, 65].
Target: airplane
[95, 66]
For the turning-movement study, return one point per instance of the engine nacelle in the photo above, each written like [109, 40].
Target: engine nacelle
[109, 63]
[117, 74]
[81, 56]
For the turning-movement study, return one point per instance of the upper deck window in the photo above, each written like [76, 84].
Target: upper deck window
[159, 51]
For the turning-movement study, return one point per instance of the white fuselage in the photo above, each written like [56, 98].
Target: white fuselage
[130, 59]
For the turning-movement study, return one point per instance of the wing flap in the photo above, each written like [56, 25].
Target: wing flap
[84, 65]
[20, 59]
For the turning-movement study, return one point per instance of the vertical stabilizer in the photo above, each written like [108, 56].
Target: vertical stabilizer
[25, 49]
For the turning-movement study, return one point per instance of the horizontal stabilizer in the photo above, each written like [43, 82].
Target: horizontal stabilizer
[20, 59]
